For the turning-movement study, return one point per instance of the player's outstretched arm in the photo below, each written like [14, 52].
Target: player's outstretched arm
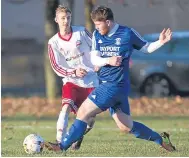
[148, 47]
[164, 37]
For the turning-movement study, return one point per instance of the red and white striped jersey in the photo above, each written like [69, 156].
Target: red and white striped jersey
[66, 55]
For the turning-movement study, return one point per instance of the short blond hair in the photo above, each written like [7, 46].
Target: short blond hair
[62, 8]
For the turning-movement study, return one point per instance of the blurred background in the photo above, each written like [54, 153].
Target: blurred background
[27, 25]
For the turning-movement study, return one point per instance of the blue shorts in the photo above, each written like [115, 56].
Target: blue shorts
[111, 96]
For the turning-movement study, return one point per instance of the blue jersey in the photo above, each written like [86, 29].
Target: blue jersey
[119, 42]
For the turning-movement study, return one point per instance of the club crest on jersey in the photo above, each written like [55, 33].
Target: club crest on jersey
[78, 43]
[118, 41]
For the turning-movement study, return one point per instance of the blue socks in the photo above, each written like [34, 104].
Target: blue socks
[143, 132]
[78, 128]
[76, 131]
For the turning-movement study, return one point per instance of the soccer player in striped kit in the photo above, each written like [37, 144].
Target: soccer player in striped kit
[112, 46]
[69, 54]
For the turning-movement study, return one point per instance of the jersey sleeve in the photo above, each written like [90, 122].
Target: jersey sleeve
[137, 41]
[94, 43]
[88, 37]
[58, 62]
[96, 59]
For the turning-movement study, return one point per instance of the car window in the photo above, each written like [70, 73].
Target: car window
[165, 49]
[174, 47]
[180, 47]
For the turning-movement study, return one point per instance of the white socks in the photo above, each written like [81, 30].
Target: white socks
[62, 124]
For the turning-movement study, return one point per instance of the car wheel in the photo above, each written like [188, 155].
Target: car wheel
[157, 86]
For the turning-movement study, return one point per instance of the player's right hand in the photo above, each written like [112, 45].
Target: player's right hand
[115, 61]
[80, 72]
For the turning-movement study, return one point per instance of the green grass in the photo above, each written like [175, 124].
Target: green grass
[104, 140]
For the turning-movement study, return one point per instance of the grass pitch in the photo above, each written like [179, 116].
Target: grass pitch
[104, 140]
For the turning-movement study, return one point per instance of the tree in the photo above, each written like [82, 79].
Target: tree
[50, 29]
[89, 4]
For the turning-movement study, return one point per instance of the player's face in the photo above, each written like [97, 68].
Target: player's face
[102, 27]
[63, 19]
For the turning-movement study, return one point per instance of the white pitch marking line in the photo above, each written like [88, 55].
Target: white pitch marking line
[100, 128]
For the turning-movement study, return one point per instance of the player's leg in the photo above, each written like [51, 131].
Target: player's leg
[99, 100]
[73, 97]
[77, 144]
[139, 130]
[91, 120]
[62, 122]
[126, 124]
[87, 110]
[90, 124]
[68, 100]
[121, 115]
[83, 94]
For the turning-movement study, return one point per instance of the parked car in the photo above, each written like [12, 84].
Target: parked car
[164, 71]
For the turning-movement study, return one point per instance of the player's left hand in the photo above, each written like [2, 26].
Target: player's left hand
[165, 36]
[80, 72]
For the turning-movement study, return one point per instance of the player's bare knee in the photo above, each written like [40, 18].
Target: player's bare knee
[82, 113]
[123, 121]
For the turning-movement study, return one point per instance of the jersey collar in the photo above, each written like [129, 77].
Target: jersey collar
[60, 36]
[113, 30]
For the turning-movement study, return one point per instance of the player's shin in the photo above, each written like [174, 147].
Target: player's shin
[77, 144]
[76, 131]
[143, 132]
[62, 124]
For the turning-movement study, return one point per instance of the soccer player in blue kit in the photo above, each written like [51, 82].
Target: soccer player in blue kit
[112, 47]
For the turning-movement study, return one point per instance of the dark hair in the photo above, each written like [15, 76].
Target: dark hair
[102, 13]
